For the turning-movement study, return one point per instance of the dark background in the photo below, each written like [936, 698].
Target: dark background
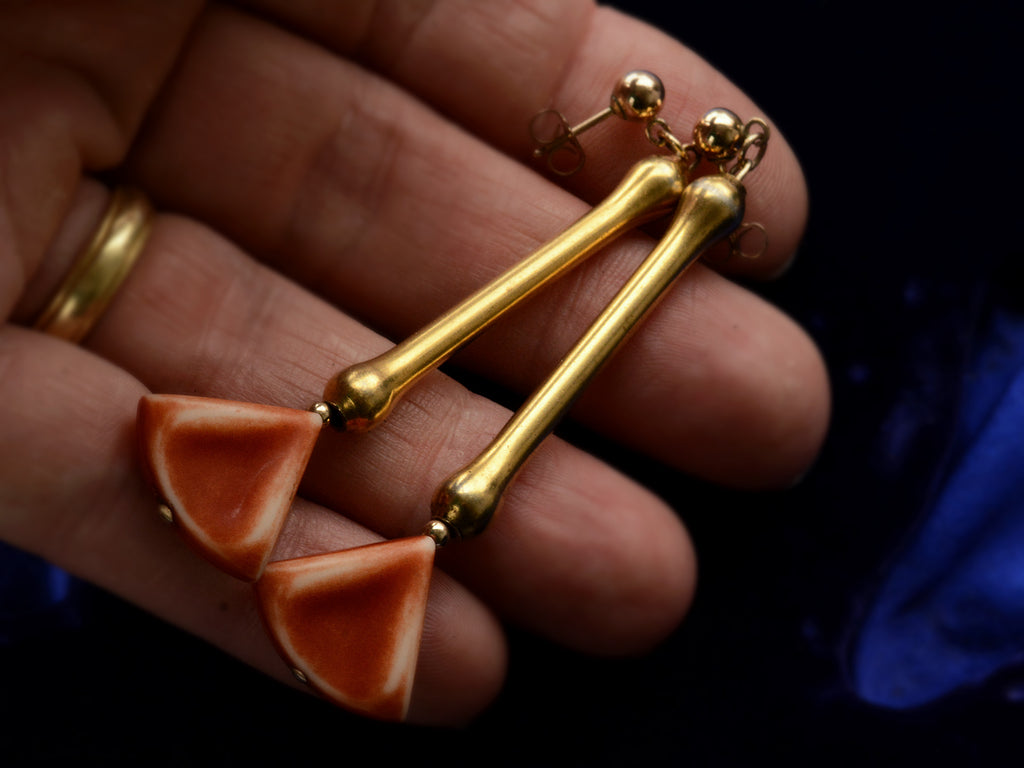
[905, 120]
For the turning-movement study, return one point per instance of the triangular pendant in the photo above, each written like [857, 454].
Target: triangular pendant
[349, 623]
[227, 471]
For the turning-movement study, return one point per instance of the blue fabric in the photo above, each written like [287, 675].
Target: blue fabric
[949, 612]
[35, 596]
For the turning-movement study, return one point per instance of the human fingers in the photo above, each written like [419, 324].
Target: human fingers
[98, 523]
[198, 317]
[202, 319]
[69, 489]
[75, 82]
[674, 588]
[295, 175]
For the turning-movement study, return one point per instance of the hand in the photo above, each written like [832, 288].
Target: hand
[322, 173]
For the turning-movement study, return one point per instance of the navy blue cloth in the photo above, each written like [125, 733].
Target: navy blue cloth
[35, 596]
[950, 611]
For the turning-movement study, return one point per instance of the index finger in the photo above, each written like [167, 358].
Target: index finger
[491, 66]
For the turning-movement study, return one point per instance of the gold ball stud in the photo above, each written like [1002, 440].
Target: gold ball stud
[719, 134]
[638, 96]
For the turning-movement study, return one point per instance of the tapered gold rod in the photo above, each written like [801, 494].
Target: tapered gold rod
[362, 395]
[710, 209]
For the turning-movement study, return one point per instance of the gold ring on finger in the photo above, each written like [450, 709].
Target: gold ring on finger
[100, 269]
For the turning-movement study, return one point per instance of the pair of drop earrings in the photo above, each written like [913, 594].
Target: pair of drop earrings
[349, 623]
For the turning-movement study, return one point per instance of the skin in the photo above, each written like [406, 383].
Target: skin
[321, 174]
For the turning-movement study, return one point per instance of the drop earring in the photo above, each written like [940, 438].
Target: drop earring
[348, 623]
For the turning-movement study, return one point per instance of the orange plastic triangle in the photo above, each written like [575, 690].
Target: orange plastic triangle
[228, 472]
[349, 623]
